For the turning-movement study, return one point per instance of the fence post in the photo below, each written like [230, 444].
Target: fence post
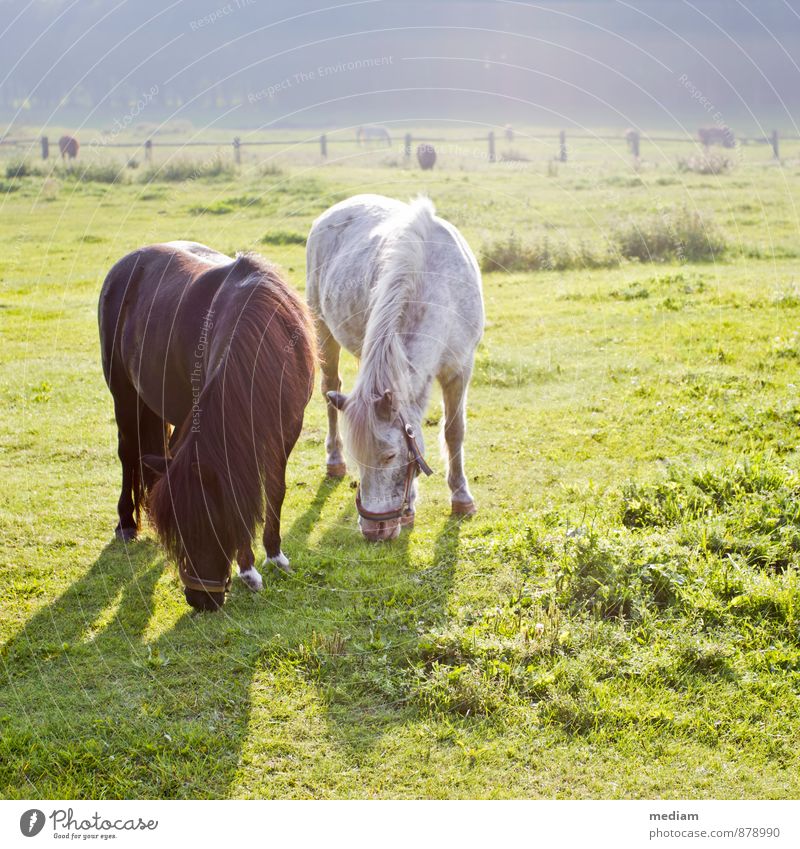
[237, 150]
[407, 146]
[562, 146]
[323, 146]
[148, 150]
[45, 147]
[773, 140]
[492, 157]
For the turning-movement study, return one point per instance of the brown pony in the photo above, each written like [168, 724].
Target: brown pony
[222, 350]
[69, 147]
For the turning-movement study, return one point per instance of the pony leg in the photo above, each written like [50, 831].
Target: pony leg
[250, 576]
[331, 382]
[139, 431]
[128, 526]
[454, 392]
[275, 491]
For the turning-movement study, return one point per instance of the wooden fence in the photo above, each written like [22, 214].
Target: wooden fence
[631, 138]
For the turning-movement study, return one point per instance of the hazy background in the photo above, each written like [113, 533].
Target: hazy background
[253, 63]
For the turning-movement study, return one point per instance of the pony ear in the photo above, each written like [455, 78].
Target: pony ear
[338, 399]
[156, 463]
[384, 405]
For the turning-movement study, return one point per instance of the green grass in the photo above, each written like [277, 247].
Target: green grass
[619, 620]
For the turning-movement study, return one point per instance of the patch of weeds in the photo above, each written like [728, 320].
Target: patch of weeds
[228, 205]
[706, 658]
[463, 690]
[615, 576]
[787, 347]
[788, 298]
[710, 163]
[41, 392]
[96, 172]
[511, 254]
[219, 208]
[181, 170]
[624, 182]
[673, 235]
[283, 237]
[635, 292]
[660, 505]
[22, 168]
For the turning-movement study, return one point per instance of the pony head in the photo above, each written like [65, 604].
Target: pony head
[389, 454]
[187, 505]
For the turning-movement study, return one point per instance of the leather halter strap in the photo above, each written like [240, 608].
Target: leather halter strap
[205, 585]
[416, 464]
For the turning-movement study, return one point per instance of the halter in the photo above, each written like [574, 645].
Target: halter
[416, 464]
[205, 585]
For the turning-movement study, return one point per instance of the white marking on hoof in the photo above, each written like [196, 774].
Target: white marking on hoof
[282, 562]
[252, 579]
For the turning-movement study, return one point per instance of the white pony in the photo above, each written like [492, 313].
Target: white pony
[369, 132]
[399, 288]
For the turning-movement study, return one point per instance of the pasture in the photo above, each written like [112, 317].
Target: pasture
[622, 617]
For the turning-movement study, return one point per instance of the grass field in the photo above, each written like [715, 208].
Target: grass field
[621, 619]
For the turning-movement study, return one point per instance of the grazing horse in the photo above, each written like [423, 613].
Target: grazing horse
[722, 136]
[372, 133]
[223, 350]
[426, 156]
[399, 288]
[69, 147]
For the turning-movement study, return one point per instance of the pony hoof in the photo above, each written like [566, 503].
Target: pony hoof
[252, 579]
[463, 508]
[282, 562]
[125, 534]
[337, 470]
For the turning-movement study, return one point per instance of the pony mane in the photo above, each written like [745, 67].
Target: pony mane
[384, 362]
[262, 381]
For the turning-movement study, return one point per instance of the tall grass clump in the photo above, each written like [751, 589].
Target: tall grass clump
[511, 254]
[181, 170]
[283, 237]
[96, 172]
[22, 168]
[678, 234]
[709, 163]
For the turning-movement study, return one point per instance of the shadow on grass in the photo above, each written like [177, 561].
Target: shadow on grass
[361, 669]
[101, 699]
[92, 705]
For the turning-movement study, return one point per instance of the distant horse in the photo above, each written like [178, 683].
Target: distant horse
[426, 156]
[223, 350]
[633, 140]
[399, 288]
[373, 133]
[722, 136]
[69, 147]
